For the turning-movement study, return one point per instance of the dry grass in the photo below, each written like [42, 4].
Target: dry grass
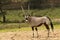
[27, 35]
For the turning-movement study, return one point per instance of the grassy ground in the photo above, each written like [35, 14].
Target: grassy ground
[25, 33]
[24, 28]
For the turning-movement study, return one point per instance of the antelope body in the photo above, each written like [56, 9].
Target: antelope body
[38, 21]
[34, 21]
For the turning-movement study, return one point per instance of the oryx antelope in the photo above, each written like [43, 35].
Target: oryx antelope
[38, 21]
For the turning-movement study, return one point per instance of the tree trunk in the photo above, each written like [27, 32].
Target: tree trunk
[4, 18]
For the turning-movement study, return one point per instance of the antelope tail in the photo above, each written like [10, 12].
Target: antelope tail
[51, 24]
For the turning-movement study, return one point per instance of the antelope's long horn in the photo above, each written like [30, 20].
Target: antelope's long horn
[22, 9]
[28, 8]
[29, 13]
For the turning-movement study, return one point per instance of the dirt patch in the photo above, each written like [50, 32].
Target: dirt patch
[27, 35]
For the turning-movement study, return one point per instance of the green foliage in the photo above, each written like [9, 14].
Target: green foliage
[16, 16]
[53, 13]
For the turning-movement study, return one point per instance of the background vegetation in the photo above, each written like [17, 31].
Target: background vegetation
[11, 15]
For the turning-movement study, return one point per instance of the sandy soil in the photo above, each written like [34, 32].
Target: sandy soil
[27, 35]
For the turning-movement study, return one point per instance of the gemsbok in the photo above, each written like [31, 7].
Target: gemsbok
[38, 21]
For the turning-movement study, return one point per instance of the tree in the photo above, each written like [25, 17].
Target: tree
[2, 11]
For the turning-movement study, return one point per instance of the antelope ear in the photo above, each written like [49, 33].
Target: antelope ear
[29, 15]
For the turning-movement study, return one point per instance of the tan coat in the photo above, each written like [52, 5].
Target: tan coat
[34, 21]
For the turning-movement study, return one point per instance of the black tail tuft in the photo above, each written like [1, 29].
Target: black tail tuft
[51, 24]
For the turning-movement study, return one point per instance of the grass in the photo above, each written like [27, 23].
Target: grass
[18, 14]
[26, 28]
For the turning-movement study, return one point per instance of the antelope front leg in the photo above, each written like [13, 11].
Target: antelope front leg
[37, 32]
[33, 31]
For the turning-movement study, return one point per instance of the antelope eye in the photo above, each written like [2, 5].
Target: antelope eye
[26, 18]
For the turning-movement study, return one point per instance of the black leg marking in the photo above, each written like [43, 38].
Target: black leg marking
[36, 31]
[47, 27]
[33, 31]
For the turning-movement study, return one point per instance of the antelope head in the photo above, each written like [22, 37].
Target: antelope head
[26, 14]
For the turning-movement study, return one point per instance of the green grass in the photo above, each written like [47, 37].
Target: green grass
[27, 29]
